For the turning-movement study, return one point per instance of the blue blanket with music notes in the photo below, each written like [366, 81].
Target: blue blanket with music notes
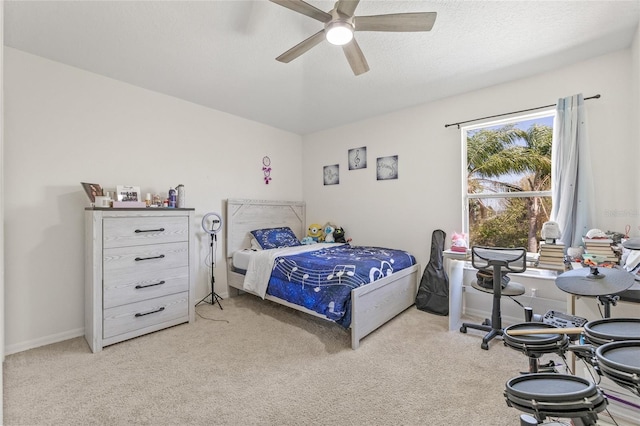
[322, 280]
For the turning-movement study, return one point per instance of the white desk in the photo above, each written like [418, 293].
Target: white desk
[454, 267]
[549, 296]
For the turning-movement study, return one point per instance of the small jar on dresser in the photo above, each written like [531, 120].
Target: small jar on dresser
[139, 272]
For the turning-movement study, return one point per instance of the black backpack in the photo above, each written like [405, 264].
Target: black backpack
[433, 293]
[485, 279]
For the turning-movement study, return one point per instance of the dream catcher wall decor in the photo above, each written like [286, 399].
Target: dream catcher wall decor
[266, 169]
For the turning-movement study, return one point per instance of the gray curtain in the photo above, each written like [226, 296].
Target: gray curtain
[572, 190]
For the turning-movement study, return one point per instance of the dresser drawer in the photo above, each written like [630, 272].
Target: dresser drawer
[134, 316]
[122, 261]
[134, 231]
[120, 289]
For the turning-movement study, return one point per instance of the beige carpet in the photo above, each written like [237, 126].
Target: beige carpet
[267, 364]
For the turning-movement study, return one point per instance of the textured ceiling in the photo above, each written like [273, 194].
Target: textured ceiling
[221, 54]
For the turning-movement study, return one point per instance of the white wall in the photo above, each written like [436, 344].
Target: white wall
[1, 203]
[65, 125]
[427, 196]
[635, 90]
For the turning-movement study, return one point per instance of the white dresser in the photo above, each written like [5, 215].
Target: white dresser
[139, 272]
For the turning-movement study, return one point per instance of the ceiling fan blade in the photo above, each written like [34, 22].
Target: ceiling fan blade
[355, 57]
[419, 21]
[304, 8]
[347, 7]
[301, 47]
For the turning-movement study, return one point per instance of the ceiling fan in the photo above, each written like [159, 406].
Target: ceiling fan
[340, 24]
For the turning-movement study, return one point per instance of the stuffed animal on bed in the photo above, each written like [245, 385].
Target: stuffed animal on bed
[339, 237]
[308, 240]
[328, 233]
[315, 232]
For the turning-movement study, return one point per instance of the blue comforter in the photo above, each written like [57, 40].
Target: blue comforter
[322, 280]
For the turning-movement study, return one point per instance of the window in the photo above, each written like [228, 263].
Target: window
[507, 180]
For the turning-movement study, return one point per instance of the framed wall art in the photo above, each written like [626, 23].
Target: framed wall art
[387, 167]
[331, 174]
[358, 158]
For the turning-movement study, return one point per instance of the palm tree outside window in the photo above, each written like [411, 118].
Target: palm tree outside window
[507, 182]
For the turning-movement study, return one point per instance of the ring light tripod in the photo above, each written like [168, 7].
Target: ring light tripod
[212, 223]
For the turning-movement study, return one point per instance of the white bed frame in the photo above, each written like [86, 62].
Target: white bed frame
[372, 305]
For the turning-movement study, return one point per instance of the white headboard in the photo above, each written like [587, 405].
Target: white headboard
[243, 216]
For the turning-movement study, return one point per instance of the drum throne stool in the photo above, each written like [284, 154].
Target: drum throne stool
[500, 261]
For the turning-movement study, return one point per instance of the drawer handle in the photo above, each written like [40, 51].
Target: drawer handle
[138, 259]
[137, 231]
[149, 313]
[150, 285]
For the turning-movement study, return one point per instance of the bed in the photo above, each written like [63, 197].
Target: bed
[369, 306]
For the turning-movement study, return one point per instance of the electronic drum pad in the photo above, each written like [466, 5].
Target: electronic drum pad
[595, 281]
[632, 244]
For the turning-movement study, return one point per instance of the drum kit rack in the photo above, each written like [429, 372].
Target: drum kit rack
[610, 345]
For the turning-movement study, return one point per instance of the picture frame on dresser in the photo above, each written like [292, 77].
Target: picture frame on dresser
[92, 190]
[128, 193]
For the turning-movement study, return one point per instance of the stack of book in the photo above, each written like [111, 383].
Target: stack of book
[601, 247]
[551, 256]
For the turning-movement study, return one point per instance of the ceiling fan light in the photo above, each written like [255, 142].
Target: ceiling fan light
[339, 33]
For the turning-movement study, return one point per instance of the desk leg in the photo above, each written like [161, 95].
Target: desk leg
[571, 309]
[455, 270]
[571, 304]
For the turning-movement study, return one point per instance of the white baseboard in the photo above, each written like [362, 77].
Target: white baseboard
[59, 337]
[47, 340]
[506, 320]
[479, 304]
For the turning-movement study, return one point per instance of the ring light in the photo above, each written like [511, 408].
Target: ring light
[212, 223]
[215, 223]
